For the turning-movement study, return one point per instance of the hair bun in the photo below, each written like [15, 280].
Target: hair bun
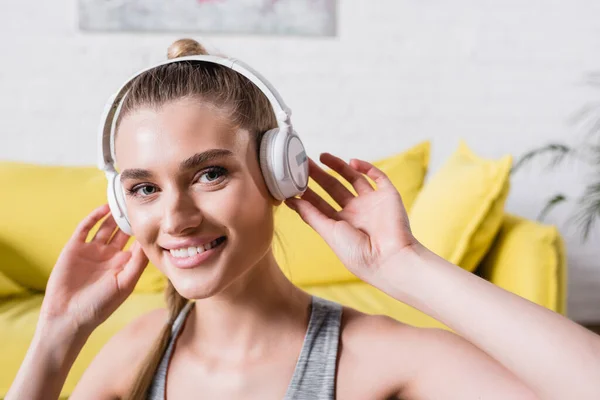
[185, 47]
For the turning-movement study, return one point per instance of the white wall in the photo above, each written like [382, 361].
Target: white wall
[503, 75]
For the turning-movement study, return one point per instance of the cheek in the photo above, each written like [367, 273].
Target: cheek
[143, 221]
[145, 226]
[248, 214]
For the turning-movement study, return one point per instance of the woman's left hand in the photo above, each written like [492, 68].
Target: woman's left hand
[372, 227]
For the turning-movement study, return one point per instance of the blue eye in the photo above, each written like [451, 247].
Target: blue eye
[208, 176]
[213, 175]
[142, 190]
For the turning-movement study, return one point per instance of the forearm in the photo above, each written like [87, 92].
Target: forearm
[44, 370]
[551, 354]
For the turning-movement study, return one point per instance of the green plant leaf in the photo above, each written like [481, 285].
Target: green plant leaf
[558, 151]
[589, 209]
[550, 204]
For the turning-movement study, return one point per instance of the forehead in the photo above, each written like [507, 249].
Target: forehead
[150, 137]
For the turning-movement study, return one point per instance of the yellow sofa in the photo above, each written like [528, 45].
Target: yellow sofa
[41, 205]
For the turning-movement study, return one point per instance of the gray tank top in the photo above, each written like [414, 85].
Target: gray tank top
[314, 375]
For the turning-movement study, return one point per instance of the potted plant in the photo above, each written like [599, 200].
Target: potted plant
[587, 210]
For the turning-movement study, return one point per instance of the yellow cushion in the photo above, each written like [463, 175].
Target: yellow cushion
[459, 211]
[528, 258]
[18, 319]
[8, 287]
[305, 257]
[39, 211]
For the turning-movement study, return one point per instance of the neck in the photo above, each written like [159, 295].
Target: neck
[251, 314]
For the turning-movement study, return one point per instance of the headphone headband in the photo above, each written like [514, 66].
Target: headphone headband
[113, 107]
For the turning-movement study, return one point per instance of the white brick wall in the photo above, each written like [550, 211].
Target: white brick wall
[503, 75]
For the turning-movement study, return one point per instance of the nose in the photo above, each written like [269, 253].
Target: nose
[181, 214]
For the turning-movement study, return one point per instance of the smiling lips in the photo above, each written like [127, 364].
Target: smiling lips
[193, 256]
[193, 250]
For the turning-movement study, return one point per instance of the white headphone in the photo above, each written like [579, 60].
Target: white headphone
[283, 159]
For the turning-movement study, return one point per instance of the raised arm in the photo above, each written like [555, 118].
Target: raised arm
[88, 283]
[554, 356]
[371, 235]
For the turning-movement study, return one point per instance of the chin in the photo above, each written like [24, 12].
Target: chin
[197, 292]
[199, 284]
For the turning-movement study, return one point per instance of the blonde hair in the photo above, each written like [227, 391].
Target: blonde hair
[246, 107]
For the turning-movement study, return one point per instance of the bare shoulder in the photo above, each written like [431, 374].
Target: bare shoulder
[362, 331]
[386, 352]
[377, 348]
[400, 360]
[113, 369]
[379, 334]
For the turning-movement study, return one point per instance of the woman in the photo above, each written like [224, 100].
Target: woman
[250, 333]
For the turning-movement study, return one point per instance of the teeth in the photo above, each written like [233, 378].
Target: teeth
[192, 251]
[187, 252]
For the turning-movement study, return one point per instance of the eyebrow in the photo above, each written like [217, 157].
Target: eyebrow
[187, 164]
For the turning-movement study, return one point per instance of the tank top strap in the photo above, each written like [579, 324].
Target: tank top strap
[157, 388]
[180, 319]
[315, 373]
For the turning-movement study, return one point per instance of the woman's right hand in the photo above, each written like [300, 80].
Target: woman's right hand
[91, 279]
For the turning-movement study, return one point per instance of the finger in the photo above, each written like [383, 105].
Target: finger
[378, 176]
[106, 230]
[311, 215]
[321, 205]
[85, 226]
[355, 178]
[330, 184]
[119, 239]
[128, 277]
[331, 231]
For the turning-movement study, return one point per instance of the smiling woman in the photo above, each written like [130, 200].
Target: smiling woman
[187, 141]
[206, 153]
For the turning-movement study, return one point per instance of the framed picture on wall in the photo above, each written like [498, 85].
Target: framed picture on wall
[271, 17]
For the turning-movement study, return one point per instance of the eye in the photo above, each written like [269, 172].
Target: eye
[213, 175]
[142, 190]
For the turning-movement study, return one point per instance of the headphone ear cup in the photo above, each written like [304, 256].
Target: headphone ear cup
[266, 155]
[284, 163]
[116, 201]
